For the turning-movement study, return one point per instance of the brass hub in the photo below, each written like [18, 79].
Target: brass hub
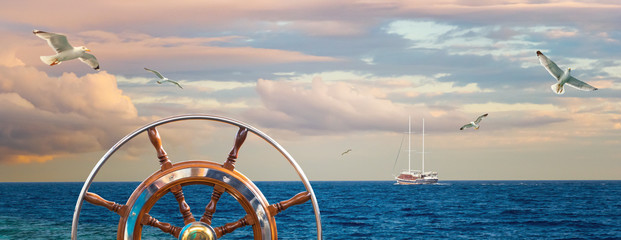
[197, 231]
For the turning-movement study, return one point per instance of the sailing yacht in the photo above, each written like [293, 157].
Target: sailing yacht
[409, 176]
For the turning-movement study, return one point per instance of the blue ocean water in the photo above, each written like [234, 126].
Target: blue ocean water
[349, 210]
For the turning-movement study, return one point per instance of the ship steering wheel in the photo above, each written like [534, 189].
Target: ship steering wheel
[172, 177]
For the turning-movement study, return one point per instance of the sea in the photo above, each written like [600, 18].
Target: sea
[349, 210]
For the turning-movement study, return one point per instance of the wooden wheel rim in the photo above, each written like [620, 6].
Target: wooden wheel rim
[113, 149]
[197, 172]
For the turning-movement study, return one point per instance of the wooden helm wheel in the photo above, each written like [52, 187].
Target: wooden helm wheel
[223, 178]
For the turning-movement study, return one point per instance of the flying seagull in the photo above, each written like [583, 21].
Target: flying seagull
[164, 79]
[64, 50]
[562, 77]
[348, 150]
[474, 124]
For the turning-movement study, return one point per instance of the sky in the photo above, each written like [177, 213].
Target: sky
[319, 77]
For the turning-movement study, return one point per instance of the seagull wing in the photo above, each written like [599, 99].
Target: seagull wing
[580, 85]
[91, 60]
[176, 83]
[156, 73]
[552, 68]
[469, 125]
[479, 118]
[57, 41]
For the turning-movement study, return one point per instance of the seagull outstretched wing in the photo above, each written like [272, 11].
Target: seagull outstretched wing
[173, 82]
[90, 60]
[57, 41]
[552, 68]
[156, 73]
[469, 125]
[348, 150]
[580, 85]
[479, 118]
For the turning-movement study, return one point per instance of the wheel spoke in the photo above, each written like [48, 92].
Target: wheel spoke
[184, 208]
[165, 227]
[239, 140]
[165, 164]
[295, 200]
[95, 199]
[154, 136]
[210, 209]
[230, 227]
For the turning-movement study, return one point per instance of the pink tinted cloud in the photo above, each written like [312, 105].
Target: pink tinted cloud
[132, 51]
[322, 107]
[599, 13]
[329, 28]
[44, 117]
[318, 18]
[184, 14]
[319, 107]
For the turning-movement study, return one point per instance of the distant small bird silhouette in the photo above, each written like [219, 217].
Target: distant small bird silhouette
[474, 124]
[64, 50]
[562, 77]
[163, 79]
[348, 150]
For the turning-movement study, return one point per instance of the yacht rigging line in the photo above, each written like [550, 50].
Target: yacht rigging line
[398, 152]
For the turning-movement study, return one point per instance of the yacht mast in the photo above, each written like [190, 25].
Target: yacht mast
[409, 141]
[423, 170]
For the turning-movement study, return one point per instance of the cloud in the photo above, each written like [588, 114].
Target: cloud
[499, 107]
[423, 34]
[561, 33]
[8, 58]
[323, 107]
[409, 85]
[455, 40]
[518, 115]
[196, 96]
[500, 42]
[600, 13]
[613, 71]
[323, 28]
[328, 106]
[129, 52]
[337, 17]
[45, 117]
[255, 16]
[204, 86]
[211, 85]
